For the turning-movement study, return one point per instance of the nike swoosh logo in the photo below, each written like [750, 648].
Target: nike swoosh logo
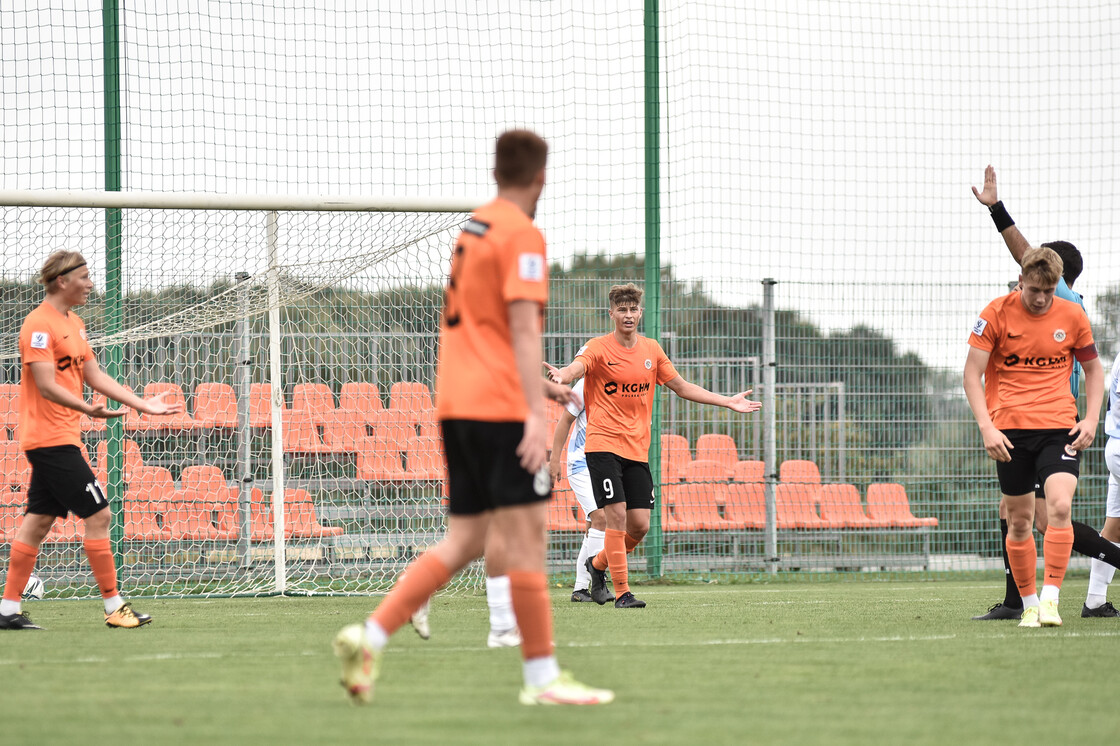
[1014, 336]
[66, 336]
[1069, 458]
[609, 363]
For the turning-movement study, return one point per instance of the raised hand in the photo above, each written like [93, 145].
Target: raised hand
[988, 196]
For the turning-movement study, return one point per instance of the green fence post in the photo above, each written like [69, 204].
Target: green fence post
[654, 542]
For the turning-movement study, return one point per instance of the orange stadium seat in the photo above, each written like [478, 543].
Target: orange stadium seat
[301, 435]
[841, 507]
[409, 396]
[215, 405]
[746, 505]
[379, 460]
[315, 401]
[132, 460]
[795, 506]
[172, 394]
[799, 471]
[260, 405]
[423, 455]
[749, 471]
[888, 505]
[695, 504]
[9, 407]
[718, 448]
[360, 396]
[15, 470]
[675, 456]
[562, 513]
[393, 425]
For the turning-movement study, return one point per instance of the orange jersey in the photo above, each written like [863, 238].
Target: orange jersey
[618, 393]
[51, 337]
[1026, 383]
[499, 258]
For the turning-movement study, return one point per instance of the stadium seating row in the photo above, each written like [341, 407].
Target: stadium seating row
[204, 507]
[709, 499]
[215, 407]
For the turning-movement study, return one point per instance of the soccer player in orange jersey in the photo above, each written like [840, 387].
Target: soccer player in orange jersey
[57, 360]
[489, 400]
[1016, 378]
[620, 372]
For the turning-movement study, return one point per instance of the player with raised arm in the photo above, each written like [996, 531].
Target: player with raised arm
[56, 362]
[1016, 378]
[580, 481]
[1086, 540]
[621, 371]
[489, 400]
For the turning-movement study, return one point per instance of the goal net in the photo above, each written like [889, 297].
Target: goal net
[301, 343]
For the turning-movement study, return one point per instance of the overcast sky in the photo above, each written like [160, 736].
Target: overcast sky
[829, 145]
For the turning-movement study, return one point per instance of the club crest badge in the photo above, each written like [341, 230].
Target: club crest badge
[1059, 335]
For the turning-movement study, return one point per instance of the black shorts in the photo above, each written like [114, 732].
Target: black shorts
[483, 469]
[1037, 455]
[615, 479]
[62, 482]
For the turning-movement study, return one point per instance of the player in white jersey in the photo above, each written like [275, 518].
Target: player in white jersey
[1101, 573]
[580, 480]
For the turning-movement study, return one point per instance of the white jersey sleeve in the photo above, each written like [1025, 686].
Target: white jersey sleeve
[1112, 416]
[577, 462]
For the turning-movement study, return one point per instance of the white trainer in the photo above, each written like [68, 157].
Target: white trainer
[420, 620]
[509, 638]
[565, 691]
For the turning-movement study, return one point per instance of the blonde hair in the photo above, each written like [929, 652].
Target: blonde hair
[58, 264]
[1043, 265]
[628, 293]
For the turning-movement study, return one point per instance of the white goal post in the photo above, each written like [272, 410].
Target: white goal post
[300, 333]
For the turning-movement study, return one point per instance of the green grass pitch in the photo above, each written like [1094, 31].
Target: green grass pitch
[788, 663]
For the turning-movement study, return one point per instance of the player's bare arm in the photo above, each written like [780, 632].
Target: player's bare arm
[43, 373]
[525, 333]
[563, 427]
[103, 383]
[996, 443]
[1015, 241]
[737, 403]
[567, 375]
[1086, 429]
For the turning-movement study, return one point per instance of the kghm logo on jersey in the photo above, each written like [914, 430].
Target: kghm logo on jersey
[1036, 362]
[610, 387]
[1059, 335]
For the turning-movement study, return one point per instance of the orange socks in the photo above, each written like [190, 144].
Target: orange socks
[529, 591]
[1023, 558]
[631, 542]
[1056, 548]
[20, 565]
[613, 556]
[423, 577]
[104, 569]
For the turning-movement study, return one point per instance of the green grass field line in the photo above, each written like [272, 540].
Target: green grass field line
[838, 663]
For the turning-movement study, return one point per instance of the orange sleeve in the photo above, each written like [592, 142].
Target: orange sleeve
[984, 332]
[588, 356]
[36, 343]
[1084, 348]
[525, 277]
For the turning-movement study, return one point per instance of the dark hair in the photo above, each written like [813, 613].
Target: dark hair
[628, 293]
[518, 158]
[1071, 259]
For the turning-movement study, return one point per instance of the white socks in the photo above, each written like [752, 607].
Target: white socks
[1100, 575]
[540, 671]
[592, 545]
[500, 601]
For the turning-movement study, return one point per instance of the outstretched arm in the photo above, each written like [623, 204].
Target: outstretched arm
[52, 391]
[103, 383]
[699, 394]
[568, 374]
[1017, 244]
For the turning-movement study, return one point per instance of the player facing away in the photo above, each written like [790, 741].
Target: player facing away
[579, 479]
[489, 400]
[621, 371]
[1086, 540]
[1100, 574]
[1016, 378]
[56, 361]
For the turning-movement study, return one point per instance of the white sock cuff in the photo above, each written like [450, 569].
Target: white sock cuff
[595, 533]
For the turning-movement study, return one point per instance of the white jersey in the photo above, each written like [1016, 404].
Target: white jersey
[1112, 416]
[577, 461]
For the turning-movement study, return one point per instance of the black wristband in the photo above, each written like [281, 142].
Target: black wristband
[1000, 217]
